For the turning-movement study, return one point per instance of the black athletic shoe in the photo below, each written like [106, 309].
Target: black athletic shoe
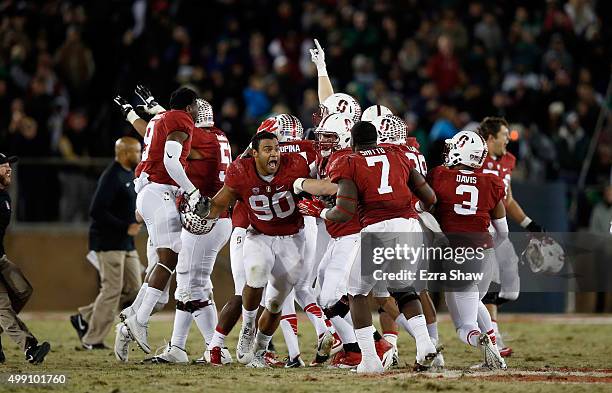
[79, 324]
[35, 354]
[91, 347]
[2, 357]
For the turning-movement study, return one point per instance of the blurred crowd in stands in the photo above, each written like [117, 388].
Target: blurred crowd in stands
[441, 65]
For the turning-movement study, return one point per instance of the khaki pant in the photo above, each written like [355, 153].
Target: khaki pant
[120, 277]
[10, 322]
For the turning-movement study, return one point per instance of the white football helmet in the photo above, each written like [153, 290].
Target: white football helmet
[375, 111]
[467, 148]
[544, 255]
[391, 129]
[339, 103]
[205, 114]
[286, 127]
[333, 133]
[192, 222]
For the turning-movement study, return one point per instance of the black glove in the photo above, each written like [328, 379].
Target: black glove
[145, 95]
[125, 106]
[534, 227]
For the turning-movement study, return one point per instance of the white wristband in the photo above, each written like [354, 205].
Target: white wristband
[132, 116]
[525, 222]
[323, 214]
[322, 70]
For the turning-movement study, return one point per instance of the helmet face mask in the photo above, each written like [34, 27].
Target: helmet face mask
[205, 118]
[465, 148]
[333, 133]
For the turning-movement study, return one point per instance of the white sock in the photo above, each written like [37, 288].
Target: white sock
[418, 326]
[432, 329]
[469, 335]
[180, 331]
[288, 325]
[248, 316]
[365, 339]
[314, 313]
[124, 330]
[218, 340]
[403, 322]
[345, 331]
[486, 324]
[262, 341]
[206, 319]
[148, 302]
[138, 300]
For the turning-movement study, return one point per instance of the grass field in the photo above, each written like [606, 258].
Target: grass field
[552, 354]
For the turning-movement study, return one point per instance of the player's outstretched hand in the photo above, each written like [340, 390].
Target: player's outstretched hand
[125, 106]
[145, 94]
[317, 55]
[311, 207]
[151, 106]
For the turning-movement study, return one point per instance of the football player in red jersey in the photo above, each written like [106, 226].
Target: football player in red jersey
[274, 244]
[333, 136]
[208, 160]
[290, 135]
[377, 181]
[392, 130]
[506, 280]
[167, 142]
[468, 202]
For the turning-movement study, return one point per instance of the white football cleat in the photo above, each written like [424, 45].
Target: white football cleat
[325, 343]
[491, 357]
[438, 363]
[138, 333]
[246, 341]
[122, 344]
[425, 357]
[259, 360]
[126, 313]
[171, 354]
[370, 365]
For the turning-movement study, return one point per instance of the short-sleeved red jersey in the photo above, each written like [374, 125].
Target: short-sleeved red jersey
[381, 175]
[271, 203]
[338, 229]
[240, 215]
[465, 200]
[501, 167]
[158, 129]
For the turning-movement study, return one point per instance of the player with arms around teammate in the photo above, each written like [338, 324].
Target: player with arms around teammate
[167, 142]
[378, 182]
[274, 243]
[468, 202]
[290, 135]
[207, 163]
[500, 162]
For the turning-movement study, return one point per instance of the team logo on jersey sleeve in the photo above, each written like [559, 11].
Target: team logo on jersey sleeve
[489, 165]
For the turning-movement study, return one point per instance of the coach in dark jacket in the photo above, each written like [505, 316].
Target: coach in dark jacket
[111, 237]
